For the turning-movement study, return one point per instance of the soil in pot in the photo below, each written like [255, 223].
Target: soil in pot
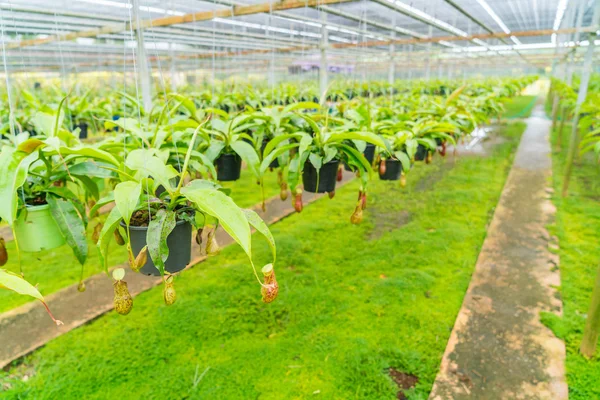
[37, 230]
[421, 153]
[326, 177]
[229, 167]
[179, 242]
[393, 170]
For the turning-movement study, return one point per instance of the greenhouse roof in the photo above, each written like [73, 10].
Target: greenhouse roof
[209, 34]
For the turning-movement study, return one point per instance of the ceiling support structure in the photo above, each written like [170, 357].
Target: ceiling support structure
[183, 19]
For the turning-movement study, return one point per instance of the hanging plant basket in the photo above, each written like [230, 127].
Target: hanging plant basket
[179, 242]
[83, 130]
[229, 167]
[326, 177]
[421, 153]
[37, 230]
[393, 170]
[369, 152]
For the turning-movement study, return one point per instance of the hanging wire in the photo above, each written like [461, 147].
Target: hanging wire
[11, 115]
[63, 72]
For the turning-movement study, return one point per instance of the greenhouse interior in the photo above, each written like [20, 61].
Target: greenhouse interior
[300, 199]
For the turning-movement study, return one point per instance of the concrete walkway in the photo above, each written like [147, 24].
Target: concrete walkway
[28, 327]
[498, 348]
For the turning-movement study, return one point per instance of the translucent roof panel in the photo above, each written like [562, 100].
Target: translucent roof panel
[356, 31]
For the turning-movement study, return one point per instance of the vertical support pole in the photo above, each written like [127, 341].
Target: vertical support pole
[392, 70]
[428, 66]
[581, 96]
[142, 60]
[592, 325]
[323, 68]
[569, 65]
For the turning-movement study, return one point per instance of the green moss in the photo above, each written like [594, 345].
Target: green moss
[56, 269]
[577, 227]
[518, 107]
[353, 301]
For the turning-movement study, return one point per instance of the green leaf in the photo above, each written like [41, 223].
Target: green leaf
[90, 186]
[106, 235]
[316, 160]
[230, 216]
[404, 160]
[156, 238]
[260, 225]
[273, 143]
[187, 103]
[127, 195]
[71, 226]
[273, 155]
[337, 137]
[17, 284]
[89, 152]
[14, 166]
[147, 164]
[92, 169]
[356, 158]
[109, 198]
[44, 122]
[249, 155]
[30, 145]
[65, 193]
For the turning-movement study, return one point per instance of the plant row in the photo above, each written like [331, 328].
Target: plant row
[160, 170]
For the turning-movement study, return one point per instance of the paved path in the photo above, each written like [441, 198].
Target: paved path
[499, 349]
[28, 327]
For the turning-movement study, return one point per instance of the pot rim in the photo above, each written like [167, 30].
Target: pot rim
[145, 228]
[41, 207]
[335, 160]
[235, 155]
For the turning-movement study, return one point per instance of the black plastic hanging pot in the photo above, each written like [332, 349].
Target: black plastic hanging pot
[83, 130]
[229, 167]
[393, 170]
[326, 177]
[439, 141]
[369, 152]
[179, 242]
[275, 162]
[421, 153]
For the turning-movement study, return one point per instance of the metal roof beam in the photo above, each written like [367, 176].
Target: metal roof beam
[174, 20]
